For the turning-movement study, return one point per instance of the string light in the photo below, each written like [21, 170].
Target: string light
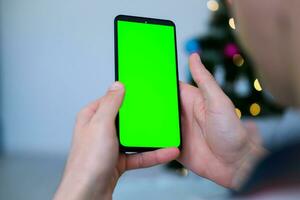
[238, 60]
[231, 23]
[257, 85]
[238, 112]
[255, 109]
[212, 5]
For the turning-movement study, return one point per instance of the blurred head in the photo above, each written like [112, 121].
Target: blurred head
[270, 32]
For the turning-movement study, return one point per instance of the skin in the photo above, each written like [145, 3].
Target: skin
[216, 144]
[269, 30]
[95, 164]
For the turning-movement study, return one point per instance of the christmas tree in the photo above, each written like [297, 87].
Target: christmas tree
[223, 56]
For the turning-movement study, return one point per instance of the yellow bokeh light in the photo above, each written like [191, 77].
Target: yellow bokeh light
[231, 23]
[257, 85]
[255, 109]
[212, 5]
[238, 60]
[238, 112]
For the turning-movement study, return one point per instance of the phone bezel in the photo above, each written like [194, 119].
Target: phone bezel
[148, 21]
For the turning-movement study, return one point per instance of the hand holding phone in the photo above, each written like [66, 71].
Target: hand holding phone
[95, 164]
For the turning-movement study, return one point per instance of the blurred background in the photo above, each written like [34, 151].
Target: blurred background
[56, 56]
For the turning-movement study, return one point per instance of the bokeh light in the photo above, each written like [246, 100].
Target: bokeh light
[238, 60]
[212, 5]
[238, 112]
[231, 23]
[183, 171]
[257, 85]
[255, 109]
[230, 50]
[192, 46]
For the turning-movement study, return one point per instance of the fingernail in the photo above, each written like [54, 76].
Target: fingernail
[115, 86]
[197, 57]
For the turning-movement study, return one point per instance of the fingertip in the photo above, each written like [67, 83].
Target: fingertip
[115, 92]
[176, 152]
[194, 57]
[116, 86]
[171, 152]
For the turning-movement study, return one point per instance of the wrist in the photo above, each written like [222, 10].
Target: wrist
[254, 153]
[76, 187]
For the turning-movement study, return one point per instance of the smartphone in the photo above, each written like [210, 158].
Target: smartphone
[146, 63]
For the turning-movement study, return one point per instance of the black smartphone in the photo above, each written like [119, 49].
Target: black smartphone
[146, 63]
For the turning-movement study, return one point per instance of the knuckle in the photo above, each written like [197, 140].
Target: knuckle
[198, 79]
[222, 102]
[157, 158]
[141, 160]
[108, 98]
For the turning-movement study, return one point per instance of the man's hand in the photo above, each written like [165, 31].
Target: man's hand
[95, 164]
[215, 142]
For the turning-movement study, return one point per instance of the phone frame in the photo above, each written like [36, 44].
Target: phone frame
[147, 21]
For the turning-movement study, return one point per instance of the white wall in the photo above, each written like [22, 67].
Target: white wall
[57, 55]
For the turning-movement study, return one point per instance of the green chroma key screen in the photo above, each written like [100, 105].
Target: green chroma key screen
[147, 66]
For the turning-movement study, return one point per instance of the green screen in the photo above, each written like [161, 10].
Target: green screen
[149, 115]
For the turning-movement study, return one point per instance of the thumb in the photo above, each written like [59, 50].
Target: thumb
[204, 80]
[111, 102]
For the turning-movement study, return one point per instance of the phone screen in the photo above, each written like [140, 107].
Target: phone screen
[147, 66]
